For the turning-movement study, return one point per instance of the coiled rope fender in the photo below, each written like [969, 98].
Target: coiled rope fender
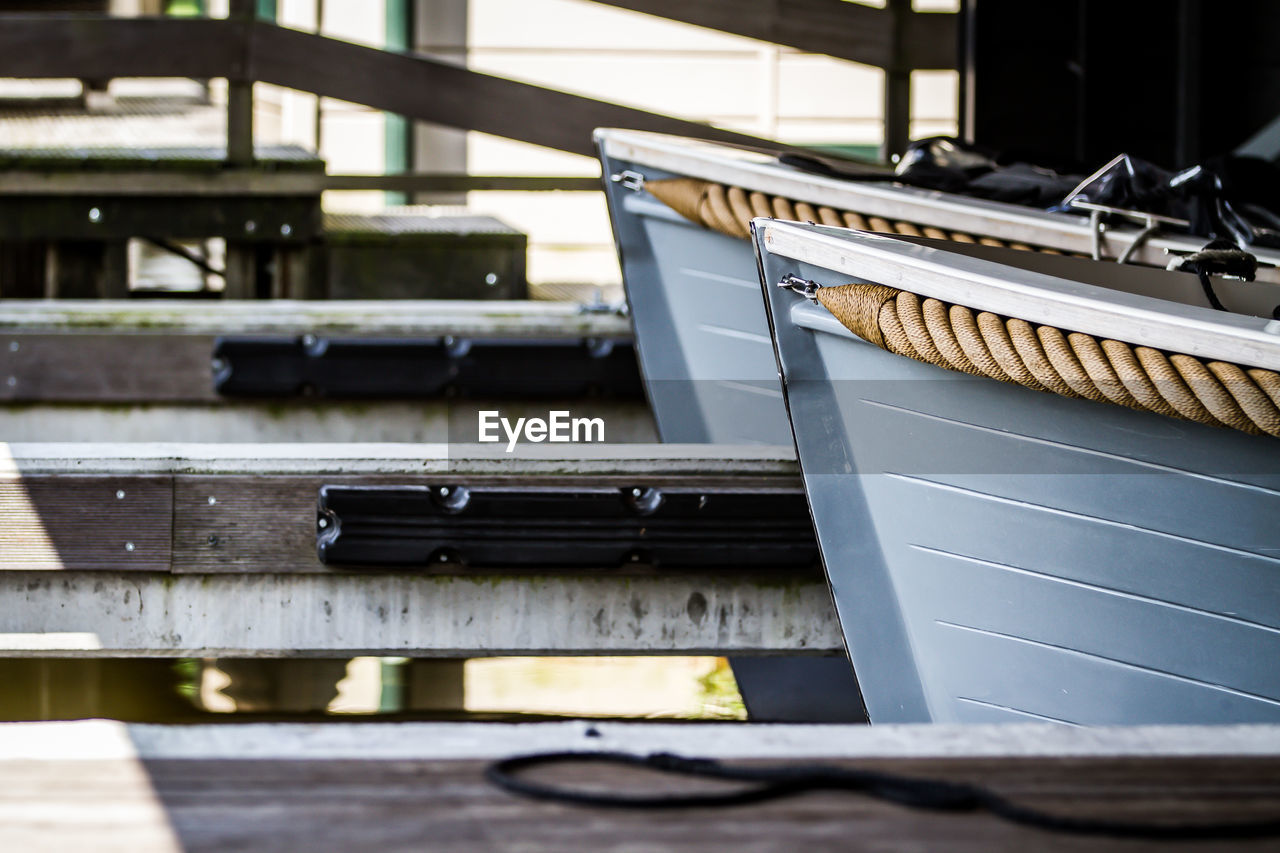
[1071, 364]
[729, 210]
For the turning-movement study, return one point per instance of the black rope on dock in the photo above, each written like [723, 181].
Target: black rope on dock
[768, 783]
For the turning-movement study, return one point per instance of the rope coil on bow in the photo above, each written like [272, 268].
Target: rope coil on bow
[1070, 364]
[729, 210]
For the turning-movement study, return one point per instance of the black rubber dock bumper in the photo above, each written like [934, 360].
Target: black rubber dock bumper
[352, 368]
[569, 528]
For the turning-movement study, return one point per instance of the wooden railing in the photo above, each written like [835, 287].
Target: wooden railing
[245, 50]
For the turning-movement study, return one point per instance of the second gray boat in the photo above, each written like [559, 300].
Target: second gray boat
[999, 553]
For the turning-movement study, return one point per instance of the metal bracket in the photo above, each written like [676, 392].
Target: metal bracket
[629, 180]
[572, 527]
[424, 368]
[802, 286]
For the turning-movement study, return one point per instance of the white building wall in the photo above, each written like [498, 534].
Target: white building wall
[616, 55]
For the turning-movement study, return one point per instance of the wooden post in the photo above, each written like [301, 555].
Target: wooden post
[22, 269]
[442, 26]
[434, 684]
[282, 685]
[241, 280]
[240, 96]
[240, 122]
[87, 269]
[897, 86]
[61, 689]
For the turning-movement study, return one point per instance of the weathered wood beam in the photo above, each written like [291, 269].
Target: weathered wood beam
[303, 420]
[271, 219]
[897, 83]
[430, 90]
[108, 740]
[257, 182]
[763, 467]
[97, 614]
[240, 95]
[103, 351]
[340, 786]
[251, 508]
[416, 87]
[101, 47]
[424, 182]
[374, 318]
[931, 41]
[834, 27]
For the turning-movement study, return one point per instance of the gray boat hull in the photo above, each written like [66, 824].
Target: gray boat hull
[702, 340]
[999, 554]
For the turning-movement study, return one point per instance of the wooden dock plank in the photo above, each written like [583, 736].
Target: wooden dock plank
[49, 181]
[249, 524]
[86, 522]
[375, 318]
[763, 467]
[307, 420]
[448, 806]
[230, 524]
[223, 558]
[251, 508]
[105, 351]
[106, 368]
[277, 787]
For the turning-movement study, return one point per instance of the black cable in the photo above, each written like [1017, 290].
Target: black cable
[767, 783]
[1220, 257]
[1207, 287]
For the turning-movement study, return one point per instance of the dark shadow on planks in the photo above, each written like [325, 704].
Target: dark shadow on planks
[446, 805]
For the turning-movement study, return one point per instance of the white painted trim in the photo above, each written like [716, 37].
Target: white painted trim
[139, 614]
[528, 460]
[319, 317]
[307, 420]
[109, 740]
[1037, 298]
[1009, 222]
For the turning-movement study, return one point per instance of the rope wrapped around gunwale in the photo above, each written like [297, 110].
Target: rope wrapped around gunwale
[729, 210]
[1071, 364]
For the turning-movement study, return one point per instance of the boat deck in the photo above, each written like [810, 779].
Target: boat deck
[108, 786]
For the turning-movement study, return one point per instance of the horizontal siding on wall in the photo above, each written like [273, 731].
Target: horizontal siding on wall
[617, 55]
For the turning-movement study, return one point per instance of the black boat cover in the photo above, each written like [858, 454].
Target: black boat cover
[1232, 198]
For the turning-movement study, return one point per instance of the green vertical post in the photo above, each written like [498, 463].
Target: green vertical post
[398, 131]
[185, 8]
[391, 697]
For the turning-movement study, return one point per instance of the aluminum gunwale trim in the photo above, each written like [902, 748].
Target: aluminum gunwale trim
[1037, 298]
[1008, 222]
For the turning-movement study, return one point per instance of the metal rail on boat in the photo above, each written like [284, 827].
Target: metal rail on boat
[1008, 223]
